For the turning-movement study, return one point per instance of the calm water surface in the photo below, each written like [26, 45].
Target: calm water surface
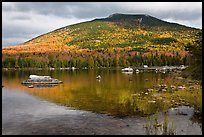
[82, 91]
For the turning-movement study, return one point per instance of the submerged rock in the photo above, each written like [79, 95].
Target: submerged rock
[173, 87]
[151, 101]
[157, 86]
[181, 87]
[164, 86]
[149, 90]
[156, 94]
[163, 90]
[191, 88]
[146, 93]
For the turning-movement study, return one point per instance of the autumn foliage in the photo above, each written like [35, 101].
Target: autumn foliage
[103, 43]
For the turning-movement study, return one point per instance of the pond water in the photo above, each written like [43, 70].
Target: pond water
[81, 90]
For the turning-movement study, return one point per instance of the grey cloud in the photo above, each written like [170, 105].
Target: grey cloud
[9, 41]
[66, 9]
[180, 15]
[51, 8]
[101, 9]
[20, 18]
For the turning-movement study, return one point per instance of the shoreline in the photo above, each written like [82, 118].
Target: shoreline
[164, 68]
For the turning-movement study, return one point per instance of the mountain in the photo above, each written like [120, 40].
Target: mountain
[107, 40]
[142, 20]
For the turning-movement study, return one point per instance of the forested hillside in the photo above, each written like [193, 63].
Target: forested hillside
[118, 40]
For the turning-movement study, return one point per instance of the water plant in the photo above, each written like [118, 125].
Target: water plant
[162, 128]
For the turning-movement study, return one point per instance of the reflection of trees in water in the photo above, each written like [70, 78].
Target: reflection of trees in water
[116, 93]
[81, 88]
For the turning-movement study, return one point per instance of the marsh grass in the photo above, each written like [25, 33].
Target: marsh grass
[148, 104]
[154, 127]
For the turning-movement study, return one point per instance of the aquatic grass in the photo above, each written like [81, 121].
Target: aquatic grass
[149, 104]
[193, 98]
[154, 127]
[143, 105]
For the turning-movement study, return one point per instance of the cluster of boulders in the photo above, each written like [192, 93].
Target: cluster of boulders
[164, 88]
[171, 88]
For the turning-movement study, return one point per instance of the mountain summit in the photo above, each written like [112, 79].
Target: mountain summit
[141, 20]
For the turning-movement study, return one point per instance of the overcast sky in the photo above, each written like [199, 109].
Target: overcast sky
[22, 21]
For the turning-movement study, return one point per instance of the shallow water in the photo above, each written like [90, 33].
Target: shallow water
[68, 108]
[81, 89]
